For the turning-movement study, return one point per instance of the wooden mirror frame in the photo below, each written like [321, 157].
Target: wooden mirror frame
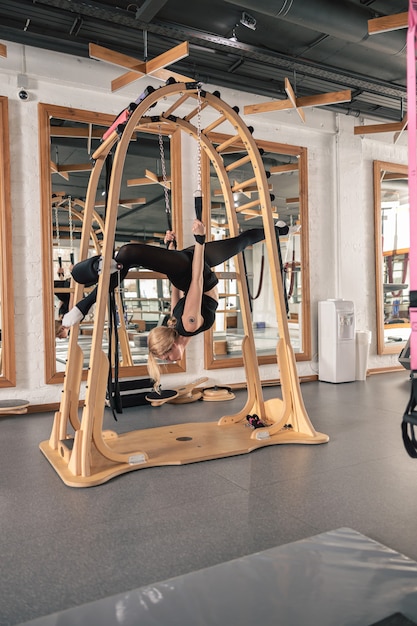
[45, 113]
[8, 362]
[401, 171]
[302, 157]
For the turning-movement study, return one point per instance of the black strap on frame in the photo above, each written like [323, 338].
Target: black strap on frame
[410, 420]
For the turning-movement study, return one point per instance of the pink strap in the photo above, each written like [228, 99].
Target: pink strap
[412, 169]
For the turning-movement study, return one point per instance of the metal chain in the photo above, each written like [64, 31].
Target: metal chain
[164, 173]
[199, 139]
[57, 228]
[70, 225]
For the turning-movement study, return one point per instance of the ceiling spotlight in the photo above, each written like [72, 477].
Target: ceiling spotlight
[233, 37]
[248, 21]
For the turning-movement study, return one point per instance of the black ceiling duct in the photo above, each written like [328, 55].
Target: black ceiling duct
[341, 19]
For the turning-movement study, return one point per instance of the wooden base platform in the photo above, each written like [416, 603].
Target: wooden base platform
[171, 445]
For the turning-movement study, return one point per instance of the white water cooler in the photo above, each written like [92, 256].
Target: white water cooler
[337, 347]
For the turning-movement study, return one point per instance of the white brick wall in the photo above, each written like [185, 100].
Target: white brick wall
[340, 204]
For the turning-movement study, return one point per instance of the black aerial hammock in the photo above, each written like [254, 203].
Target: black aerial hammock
[391, 271]
[261, 277]
[113, 387]
[281, 267]
[410, 420]
[291, 265]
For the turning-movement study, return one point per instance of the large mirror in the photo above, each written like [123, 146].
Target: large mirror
[392, 246]
[68, 139]
[287, 169]
[7, 342]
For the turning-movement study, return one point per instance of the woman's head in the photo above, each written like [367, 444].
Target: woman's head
[161, 343]
[161, 340]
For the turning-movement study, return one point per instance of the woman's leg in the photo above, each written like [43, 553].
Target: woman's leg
[153, 258]
[80, 310]
[219, 251]
[86, 303]
[174, 263]
[170, 262]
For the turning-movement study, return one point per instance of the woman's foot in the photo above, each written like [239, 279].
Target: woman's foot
[281, 227]
[87, 272]
[114, 266]
[74, 316]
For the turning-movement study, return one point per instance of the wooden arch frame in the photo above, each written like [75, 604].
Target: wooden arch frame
[92, 456]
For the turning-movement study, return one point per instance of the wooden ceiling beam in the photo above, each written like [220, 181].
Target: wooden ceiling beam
[100, 53]
[133, 182]
[138, 69]
[283, 169]
[381, 128]
[387, 23]
[75, 167]
[55, 170]
[167, 58]
[128, 202]
[76, 132]
[292, 97]
[125, 79]
[334, 97]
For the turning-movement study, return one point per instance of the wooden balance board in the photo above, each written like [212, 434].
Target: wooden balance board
[218, 394]
[13, 407]
[184, 394]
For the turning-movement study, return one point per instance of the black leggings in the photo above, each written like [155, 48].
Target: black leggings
[176, 264]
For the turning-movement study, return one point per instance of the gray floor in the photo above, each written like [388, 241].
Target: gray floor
[61, 547]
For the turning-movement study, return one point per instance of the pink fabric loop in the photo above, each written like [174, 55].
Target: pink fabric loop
[412, 168]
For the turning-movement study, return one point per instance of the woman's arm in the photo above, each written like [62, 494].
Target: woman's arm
[191, 317]
[176, 294]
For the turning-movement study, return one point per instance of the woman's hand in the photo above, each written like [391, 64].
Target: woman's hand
[198, 228]
[191, 317]
[170, 239]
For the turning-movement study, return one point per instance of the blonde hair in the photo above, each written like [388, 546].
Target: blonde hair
[160, 341]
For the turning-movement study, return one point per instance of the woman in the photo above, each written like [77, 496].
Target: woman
[194, 286]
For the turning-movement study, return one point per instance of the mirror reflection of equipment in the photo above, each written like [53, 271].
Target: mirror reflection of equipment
[392, 248]
[140, 219]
